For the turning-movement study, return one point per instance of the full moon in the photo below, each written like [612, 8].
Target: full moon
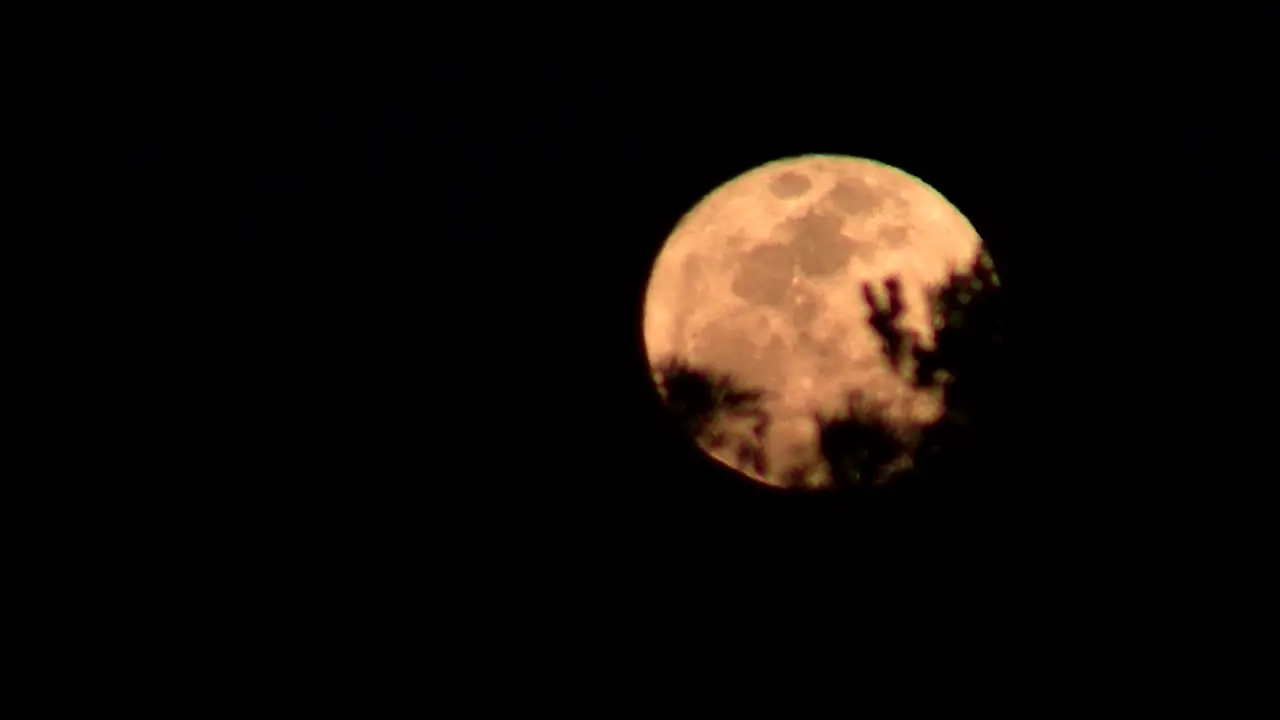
[762, 281]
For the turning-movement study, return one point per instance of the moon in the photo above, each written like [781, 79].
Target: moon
[762, 281]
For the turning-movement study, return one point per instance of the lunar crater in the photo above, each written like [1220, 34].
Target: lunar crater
[895, 236]
[789, 185]
[855, 196]
[819, 247]
[747, 348]
[764, 274]
[693, 268]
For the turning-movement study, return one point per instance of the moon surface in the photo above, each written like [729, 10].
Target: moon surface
[762, 280]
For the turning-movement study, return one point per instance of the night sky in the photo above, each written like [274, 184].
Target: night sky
[440, 258]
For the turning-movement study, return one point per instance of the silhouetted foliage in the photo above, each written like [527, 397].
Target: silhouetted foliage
[968, 323]
[885, 317]
[969, 333]
[699, 398]
[860, 451]
[863, 452]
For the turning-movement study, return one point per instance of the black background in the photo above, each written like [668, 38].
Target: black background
[437, 238]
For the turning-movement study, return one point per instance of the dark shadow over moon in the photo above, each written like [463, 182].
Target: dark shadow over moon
[789, 184]
[854, 196]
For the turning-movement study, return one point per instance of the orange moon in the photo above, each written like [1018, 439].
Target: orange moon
[762, 280]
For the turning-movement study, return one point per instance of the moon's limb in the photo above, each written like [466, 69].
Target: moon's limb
[770, 268]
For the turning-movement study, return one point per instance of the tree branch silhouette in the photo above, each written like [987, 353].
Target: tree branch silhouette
[863, 452]
[968, 319]
[702, 400]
